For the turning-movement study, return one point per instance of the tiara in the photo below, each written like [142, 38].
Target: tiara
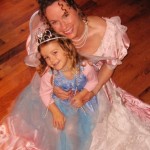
[47, 35]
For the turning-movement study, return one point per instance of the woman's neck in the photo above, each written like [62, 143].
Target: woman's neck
[80, 41]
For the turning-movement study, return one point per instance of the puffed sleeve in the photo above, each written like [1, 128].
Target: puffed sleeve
[46, 89]
[115, 42]
[91, 76]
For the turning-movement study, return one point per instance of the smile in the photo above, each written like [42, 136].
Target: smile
[69, 31]
[56, 64]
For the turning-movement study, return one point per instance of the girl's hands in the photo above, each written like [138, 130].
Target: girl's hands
[61, 93]
[59, 120]
[58, 117]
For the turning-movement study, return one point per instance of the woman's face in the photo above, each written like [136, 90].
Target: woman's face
[54, 55]
[66, 23]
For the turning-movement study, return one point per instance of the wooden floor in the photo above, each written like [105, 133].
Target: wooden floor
[133, 75]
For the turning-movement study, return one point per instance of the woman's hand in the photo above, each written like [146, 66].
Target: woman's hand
[81, 98]
[61, 93]
[77, 101]
[88, 97]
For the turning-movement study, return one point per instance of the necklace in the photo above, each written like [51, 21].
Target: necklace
[80, 42]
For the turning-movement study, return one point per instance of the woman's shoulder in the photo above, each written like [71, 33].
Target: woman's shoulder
[98, 26]
[97, 22]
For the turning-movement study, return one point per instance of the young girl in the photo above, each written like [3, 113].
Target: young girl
[62, 124]
[73, 116]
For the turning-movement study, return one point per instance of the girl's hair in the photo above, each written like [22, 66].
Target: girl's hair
[64, 43]
[43, 4]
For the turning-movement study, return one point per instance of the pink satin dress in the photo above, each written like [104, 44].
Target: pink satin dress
[124, 121]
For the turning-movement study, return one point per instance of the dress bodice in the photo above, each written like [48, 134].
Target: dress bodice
[114, 44]
[77, 83]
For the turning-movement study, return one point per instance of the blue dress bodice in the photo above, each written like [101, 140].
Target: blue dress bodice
[76, 84]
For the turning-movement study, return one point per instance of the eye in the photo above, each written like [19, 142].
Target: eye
[46, 58]
[55, 52]
[66, 14]
[54, 22]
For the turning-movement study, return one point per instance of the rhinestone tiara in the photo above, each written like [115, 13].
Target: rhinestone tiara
[47, 35]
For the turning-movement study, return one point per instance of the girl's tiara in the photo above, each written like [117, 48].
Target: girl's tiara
[47, 35]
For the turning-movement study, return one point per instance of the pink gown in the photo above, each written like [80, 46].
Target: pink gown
[124, 121]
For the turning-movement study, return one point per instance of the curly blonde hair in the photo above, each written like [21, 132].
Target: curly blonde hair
[67, 46]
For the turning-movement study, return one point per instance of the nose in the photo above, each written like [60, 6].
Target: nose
[63, 25]
[52, 59]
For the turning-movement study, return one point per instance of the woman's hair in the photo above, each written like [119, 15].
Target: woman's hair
[64, 43]
[43, 4]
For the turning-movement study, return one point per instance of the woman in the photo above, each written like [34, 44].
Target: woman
[124, 121]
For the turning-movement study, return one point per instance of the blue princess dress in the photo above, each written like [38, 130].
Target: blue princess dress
[30, 127]
[80, 122]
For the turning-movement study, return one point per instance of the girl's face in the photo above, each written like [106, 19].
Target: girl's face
[54, 55]
[66, 23]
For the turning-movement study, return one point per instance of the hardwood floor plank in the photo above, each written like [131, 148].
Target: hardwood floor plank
[145, 95]
[20, 34]
[14, 76]
[12, 52]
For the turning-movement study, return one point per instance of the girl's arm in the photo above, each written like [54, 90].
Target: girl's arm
[58, 117]
[46, 91]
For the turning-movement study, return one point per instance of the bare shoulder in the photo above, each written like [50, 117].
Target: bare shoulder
[97, 22]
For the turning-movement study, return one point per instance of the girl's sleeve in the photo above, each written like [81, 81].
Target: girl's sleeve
[46, 89]
[91, 76]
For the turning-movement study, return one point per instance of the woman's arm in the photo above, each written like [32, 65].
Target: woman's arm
[92, 81]
[63, 95]
[77, 100]
[104, 75]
